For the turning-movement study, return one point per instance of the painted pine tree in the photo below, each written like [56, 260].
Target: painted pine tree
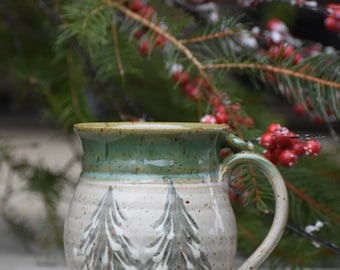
[178, 246]
[104, 244]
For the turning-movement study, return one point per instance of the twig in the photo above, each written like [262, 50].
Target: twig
[274, 69]
[294, 228]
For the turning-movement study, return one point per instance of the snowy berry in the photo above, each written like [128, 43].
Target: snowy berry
[266, 140]
[288, 158]
[208, 119]
[298, 147]
[273, 127]
[277, 25]
[312, 148]
[281, 137]
[284, 146]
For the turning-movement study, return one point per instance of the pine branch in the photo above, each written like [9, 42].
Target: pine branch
[91, 69]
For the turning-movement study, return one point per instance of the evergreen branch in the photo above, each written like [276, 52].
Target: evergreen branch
[170, 38]
[91, 69]
[89, 16]
[277, 70]
[310, 201]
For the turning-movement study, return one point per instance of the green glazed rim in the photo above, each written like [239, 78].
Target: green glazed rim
[149, 127]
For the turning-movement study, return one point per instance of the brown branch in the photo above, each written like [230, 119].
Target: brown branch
[116, 47]
[207, 37]
[274, 69]
[157, 29]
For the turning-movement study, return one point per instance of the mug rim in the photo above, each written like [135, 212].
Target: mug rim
[148, 126]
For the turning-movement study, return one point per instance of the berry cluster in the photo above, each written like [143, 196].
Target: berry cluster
[223, 112]
[332, 20]
[146, 40]
[284, 147]
[280, 42]
[283, 46]
[227, 114]
[301, 109]
[192, 88]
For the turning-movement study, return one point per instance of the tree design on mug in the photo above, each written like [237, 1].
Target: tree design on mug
[178, 246]
[104, 244]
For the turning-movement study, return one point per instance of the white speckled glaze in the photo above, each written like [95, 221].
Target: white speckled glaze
[153, 196]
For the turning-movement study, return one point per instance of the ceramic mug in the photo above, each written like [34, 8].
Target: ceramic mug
[155, 196]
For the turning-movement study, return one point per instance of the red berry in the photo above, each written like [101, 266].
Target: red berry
[138, 33]
[275, 154]
[144, 47]
[330, 23]
[297, 58]
[281, 51]
[288, 158]
[224, 152]
[215, 102]
[221, 117]
[192, 91]
[267, 141]
[146, 12]
[299, 109]
[298, 147]
[312, 148]
[277, 25]
[136, 5]
[182, 77]
[234, 107]
[281, 137]
[273, 127]
[267, 154]
[287, 51]
[221, 109]
[159, 40]
[248, 122]
[318, 120]
[274, 52]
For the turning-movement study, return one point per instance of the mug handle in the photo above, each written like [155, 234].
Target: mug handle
[281, 201]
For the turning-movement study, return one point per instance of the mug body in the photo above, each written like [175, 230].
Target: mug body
[150, 197]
